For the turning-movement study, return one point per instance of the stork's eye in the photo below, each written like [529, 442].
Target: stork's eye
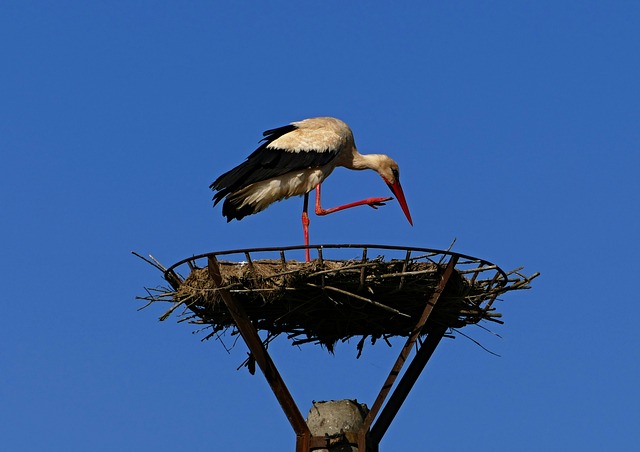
[396, 173]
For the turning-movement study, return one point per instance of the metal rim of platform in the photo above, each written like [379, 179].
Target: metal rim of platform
[500, 279]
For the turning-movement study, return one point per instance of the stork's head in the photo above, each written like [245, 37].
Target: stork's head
[390, 172]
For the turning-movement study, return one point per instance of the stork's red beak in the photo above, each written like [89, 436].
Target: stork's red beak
[396, 188]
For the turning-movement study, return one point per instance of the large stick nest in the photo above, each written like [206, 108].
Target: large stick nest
[326, 301]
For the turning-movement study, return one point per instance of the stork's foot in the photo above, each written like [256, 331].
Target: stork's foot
[377, 202]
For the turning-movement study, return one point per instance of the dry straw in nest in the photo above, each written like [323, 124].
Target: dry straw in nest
[326, 301]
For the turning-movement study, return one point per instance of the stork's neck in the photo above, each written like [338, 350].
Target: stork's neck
[365, 161]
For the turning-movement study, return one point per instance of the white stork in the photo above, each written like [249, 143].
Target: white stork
[295, 159]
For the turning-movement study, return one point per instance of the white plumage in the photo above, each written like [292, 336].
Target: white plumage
[258, 196]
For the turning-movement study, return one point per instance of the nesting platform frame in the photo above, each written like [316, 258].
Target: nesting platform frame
[370, 434]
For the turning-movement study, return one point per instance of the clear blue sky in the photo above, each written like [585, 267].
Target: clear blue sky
[517, 129]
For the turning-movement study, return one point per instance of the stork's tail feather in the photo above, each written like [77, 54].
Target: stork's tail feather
[233, 211]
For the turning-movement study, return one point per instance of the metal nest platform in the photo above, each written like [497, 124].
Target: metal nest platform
[348, 291]
[374, 291]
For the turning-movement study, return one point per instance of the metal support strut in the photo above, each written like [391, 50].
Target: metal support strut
[408, 380]
[268, 368]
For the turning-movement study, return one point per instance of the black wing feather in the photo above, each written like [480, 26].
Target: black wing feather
[272, 134]
[265, 163]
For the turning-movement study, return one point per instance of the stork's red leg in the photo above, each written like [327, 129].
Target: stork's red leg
[305, 225]
[372, 202]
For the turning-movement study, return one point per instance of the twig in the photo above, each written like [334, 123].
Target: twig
[358, 297]
[413, 273]
[447, 250]
[175, 306]
[478, 269]
[151, 261]
[476, 342]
